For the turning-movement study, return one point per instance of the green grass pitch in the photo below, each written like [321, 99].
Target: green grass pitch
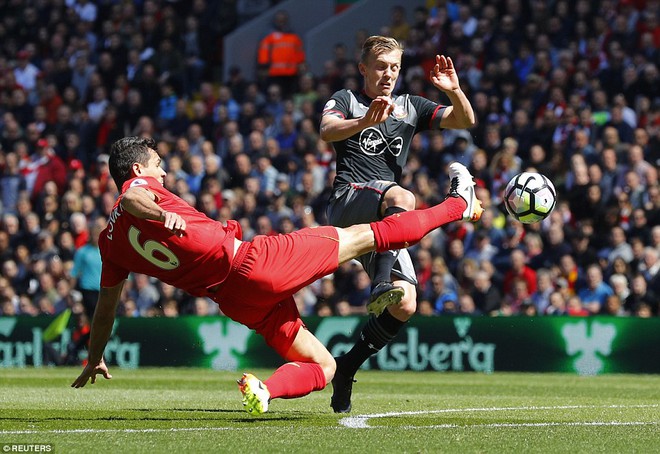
[195, 410]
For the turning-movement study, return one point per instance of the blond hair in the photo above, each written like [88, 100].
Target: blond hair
[376, 45]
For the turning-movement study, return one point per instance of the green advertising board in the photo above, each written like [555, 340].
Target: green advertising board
[592, 345]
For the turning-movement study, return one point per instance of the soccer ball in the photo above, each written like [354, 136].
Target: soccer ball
[530, 197]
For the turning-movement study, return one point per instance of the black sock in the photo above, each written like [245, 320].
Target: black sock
[384, 261]
[377, 333]
[390, 323]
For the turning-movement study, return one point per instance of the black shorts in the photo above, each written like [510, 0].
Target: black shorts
[359, 203]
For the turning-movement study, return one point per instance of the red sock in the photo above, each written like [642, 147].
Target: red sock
[295, 379]
[402, 230]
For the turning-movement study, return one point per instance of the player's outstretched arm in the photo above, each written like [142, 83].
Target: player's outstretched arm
[334, 129]
[444, 77]
[104, 318]
[141, 203]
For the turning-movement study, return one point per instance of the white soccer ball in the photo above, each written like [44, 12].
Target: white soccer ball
[530, 197]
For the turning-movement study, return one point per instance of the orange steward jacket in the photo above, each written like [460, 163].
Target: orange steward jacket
[282, 53]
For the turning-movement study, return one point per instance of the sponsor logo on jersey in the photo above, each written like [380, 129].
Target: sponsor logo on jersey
[373, 143]
[399, 112]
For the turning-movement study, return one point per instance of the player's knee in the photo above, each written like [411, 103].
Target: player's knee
[329, 367]
[400, 197]
[409, 304]
[327, 363]
[408, 200]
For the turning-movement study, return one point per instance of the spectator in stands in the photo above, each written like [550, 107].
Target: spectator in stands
[70, 68]
[541, 297]
[618, 246]
[86, 10]
[593, 295]
[86, 271]
[619, 284]
[519, 269]
[25, 72]
[359, 295]
[439, 295]
[12, 182]
[557, 304]
[614, 307]
[280, 56]
[481, 249]
[398, 28]
[650, 264]
[487, 298]
[575, 308]
[43, 166]
[79, 229]
[145, 294]
[641, 294]
[266, 174]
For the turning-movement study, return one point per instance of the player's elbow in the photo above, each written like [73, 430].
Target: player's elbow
[133, 200]
[332, 129]
[130, 197]
[130, 194]
[325, 134]
[138, 193]
[467, 122]
[133, 194]
[458, 120]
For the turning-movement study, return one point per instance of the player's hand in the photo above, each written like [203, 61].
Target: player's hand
[379, 109]
[174, 223]
[90, 371]
[443, 74]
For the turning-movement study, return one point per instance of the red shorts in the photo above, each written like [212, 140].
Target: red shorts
[267, 271]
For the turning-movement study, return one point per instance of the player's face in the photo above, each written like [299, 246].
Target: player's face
[152, 169]
[380, 73]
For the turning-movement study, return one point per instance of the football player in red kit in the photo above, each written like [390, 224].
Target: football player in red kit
[152, 231]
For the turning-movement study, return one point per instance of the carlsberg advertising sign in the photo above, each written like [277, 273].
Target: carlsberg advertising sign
[462, 354]
[587, 346]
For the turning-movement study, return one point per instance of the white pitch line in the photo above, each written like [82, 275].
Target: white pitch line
[528, 424]
[362, 421]
[86, 431]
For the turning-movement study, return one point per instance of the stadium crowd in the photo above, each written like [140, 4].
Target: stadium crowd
[571, 89]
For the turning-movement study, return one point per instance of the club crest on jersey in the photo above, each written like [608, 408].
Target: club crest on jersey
[373, 143]
[399, 112]
[138, 182]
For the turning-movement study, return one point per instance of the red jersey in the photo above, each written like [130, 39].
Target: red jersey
[199, 259]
